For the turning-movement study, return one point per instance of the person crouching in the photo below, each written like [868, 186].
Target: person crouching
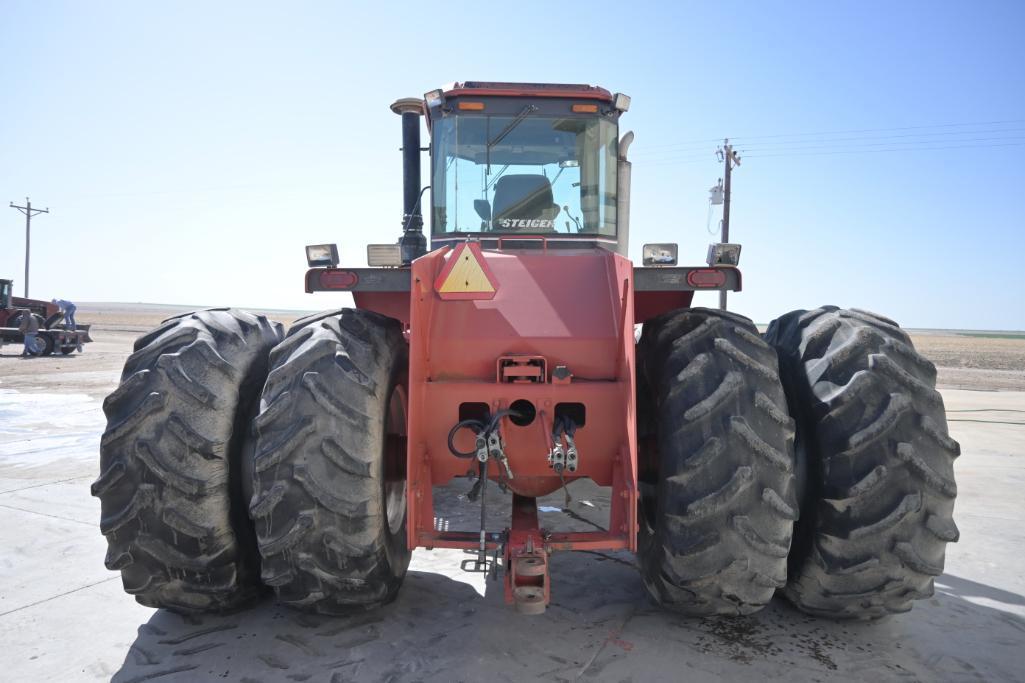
[29, 328]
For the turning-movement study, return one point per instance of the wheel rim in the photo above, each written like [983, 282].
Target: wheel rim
[395, 461]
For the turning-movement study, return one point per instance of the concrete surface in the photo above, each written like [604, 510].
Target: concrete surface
[63, 617]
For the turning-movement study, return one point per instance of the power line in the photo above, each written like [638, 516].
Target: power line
[895, 144]
[699, 143]
[663, 162]
[878, 130]
[886, 139]
[756, 155]
[825, 145]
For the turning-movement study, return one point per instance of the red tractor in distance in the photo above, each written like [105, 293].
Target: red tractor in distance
[52, 336]
[812, 460]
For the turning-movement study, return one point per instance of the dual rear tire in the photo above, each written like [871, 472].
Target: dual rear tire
[232, 453]
[718, 499]
[877, 504]
[850, 520]
[171, 462]
[329, 503]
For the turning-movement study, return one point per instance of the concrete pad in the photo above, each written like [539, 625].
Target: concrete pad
[69, 500]
[45, 555]
[63, 617]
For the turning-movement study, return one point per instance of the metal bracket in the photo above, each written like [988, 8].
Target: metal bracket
[571, 453]
[557, 456]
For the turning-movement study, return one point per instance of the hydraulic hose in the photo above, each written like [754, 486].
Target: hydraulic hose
[478, 428]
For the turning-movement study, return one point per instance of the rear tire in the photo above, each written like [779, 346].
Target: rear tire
[170, 462]
[329, 469]
[877, 509]
[718, 496]
[48, 344]
[52, 321]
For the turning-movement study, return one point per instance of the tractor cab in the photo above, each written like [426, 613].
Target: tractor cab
[5, 294]
[524, 159]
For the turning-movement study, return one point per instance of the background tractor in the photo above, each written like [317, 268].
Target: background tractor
[52, 337]
[813, 459]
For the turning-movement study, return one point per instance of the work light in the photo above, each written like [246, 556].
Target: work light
[663, 254]
[322, 255]
[434, 98]
[384, 255]
[723, 254]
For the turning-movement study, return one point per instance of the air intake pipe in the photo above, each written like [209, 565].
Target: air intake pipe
[413, 244]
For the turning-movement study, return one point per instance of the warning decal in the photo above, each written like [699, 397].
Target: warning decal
[466, 275]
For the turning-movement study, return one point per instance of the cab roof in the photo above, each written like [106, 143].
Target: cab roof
[503, 89]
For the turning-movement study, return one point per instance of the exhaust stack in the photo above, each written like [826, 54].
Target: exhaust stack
[412, 244]
[623, 195]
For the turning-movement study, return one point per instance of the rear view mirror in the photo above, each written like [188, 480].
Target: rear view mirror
[659, 254]
[483, 208]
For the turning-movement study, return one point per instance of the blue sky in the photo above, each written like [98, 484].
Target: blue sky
[189, 150]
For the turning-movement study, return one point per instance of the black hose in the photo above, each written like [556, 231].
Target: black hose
[499, 415]
[557, 429]
[478, 427]
[569, 426]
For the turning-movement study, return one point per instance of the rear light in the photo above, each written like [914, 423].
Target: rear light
[706, 277]
[384, 255]
[338, 279]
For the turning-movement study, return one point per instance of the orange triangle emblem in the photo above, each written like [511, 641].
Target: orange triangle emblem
[466, 275]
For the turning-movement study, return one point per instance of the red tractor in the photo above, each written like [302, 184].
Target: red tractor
[52, 336]
[812, 460]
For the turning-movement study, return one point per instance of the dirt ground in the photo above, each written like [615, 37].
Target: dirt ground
[97, 370]
[975, 360]
[64, 617]
[979, 363]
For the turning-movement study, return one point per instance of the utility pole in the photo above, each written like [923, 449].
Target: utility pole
[29, 213]
[731, 159]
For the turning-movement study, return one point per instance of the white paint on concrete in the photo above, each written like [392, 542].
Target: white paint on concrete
[39, 428]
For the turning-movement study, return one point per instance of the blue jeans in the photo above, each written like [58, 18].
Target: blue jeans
[69, 317]
[30, 344]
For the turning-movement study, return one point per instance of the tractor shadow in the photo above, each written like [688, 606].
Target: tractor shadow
[600, 626]
[447, 625]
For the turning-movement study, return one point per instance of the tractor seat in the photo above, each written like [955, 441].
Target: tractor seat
[524, 197]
